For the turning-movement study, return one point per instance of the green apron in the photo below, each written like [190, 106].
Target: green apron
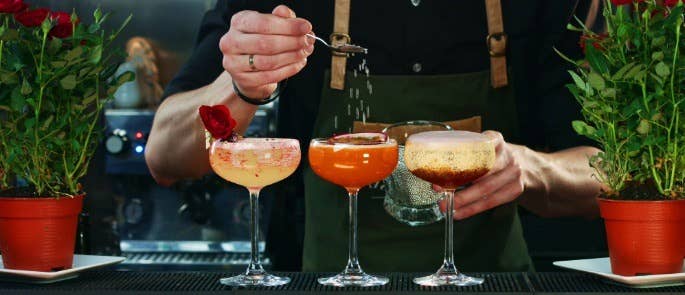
[490, 241]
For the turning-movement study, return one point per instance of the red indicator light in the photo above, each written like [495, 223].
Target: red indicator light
[139, 135]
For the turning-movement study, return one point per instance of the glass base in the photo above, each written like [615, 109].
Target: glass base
[447, 279]
[355, 279]
[264, 279]
[413, 216]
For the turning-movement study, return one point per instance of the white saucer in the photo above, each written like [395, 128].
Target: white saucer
[602, 267]
[81, 263]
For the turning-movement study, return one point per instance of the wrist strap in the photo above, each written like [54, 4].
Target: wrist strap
[258, 102]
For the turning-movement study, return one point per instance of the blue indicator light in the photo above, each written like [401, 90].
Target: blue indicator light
[139, 149]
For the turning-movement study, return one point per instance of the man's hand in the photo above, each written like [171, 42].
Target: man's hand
[277, 43]
[504, 183]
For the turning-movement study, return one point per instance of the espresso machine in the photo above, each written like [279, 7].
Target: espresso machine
[201, 223]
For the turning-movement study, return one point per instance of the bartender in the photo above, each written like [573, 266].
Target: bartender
[439, 60]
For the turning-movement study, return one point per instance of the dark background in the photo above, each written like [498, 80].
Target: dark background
[172, 26]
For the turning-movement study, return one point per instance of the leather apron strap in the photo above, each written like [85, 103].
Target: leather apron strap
[497, 44]
[340, 36]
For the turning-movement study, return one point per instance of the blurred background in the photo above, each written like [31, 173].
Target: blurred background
[203, 223]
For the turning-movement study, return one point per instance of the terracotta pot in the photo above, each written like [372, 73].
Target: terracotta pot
[38, 233]
[645, 237]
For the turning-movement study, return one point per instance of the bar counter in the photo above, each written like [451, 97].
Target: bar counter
[104, 282]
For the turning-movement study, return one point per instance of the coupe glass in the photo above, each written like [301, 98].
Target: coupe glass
[450, 159]
[353, 166]
[255, 163]
[408, 198]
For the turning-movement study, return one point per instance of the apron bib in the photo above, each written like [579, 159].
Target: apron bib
[490, 241]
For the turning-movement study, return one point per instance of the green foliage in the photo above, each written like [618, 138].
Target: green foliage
[52, 92]
[630, 87]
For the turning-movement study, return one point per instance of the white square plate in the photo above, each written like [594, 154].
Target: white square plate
[602, 267]
[81, 263]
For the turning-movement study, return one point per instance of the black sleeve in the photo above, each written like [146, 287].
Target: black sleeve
[555, 107]
[204, 65]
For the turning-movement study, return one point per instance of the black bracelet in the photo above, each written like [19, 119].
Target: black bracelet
[259, 102]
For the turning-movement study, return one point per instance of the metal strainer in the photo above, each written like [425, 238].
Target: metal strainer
[408, 198]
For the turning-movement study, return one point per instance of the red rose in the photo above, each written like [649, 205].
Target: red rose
[218, 121]
[63, 27]
[12, 6]
[671, 3]
[32, 18]
[592, 39]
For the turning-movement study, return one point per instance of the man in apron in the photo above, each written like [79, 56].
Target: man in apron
[439, 60]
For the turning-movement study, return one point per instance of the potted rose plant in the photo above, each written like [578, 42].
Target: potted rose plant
[630, 85]
[55, 77]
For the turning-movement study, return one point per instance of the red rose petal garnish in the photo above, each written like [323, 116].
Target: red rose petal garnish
[218, 121]
[359, 138]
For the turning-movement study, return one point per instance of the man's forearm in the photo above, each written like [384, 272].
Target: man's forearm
[561, 183]
[176, 146]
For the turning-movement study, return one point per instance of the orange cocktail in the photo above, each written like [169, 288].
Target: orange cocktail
[353, 166]
[353, 161]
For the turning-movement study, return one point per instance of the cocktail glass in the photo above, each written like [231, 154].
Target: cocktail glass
[450, 159]
[353, 166]
[255, 163]
[408, 198]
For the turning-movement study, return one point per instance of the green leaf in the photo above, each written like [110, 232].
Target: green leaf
[662, 69]
[17, 101]
[29, 123]
[583, 128]
[25, 88]
[658, 41]
[609, 92]
[68, 82]
[596, 59]
[622, 71]
[47, 123]
[54, 45]
[74, 53]
[9, 78]
[659, 55]
[596, 81]
[58, 64]
[633, 72]
[579, 81]
[96, 54]
[644, 127]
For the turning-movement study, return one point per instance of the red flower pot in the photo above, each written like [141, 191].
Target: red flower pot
[645, 237]
[38, 233]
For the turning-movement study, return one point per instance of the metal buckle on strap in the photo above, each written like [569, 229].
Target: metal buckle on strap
[340, 39]
[498, 37]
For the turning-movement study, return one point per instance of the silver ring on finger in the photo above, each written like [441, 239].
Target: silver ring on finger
[250, 61]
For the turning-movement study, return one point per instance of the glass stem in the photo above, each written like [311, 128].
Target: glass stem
[255, 266]
[448, 262]
[353, 266]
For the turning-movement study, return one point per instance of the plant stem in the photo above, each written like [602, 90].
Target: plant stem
[675, 117]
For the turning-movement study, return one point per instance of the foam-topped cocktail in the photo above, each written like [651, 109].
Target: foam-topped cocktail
[353, 161]
[450, 159]
[255, 163]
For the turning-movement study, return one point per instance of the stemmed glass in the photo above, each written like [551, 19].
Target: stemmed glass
[450, 159]
[409, 199]
[255, 163]
[353, 165]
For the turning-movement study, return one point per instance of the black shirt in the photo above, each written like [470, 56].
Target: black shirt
[442, 36]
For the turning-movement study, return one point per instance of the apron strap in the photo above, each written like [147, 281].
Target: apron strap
[340, 36]
[497, 44]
